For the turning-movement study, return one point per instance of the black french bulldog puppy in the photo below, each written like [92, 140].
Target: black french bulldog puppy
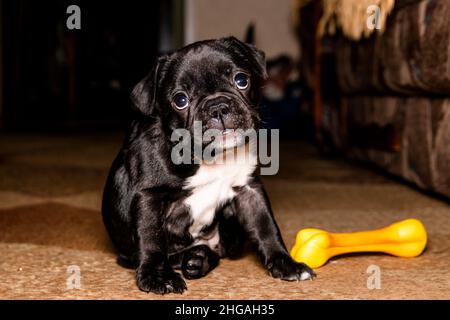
[163, 216]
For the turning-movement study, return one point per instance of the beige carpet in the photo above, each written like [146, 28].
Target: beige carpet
[50, 191]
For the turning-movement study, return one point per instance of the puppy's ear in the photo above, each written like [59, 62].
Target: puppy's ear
[255, 57]
[144, 94]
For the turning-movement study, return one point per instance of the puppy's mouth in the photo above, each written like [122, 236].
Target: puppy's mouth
[229, 138]
[227, 132]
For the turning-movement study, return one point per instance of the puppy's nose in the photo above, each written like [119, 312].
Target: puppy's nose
[220, 111]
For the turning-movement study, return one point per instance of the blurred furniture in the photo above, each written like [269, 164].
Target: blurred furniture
[392, 103]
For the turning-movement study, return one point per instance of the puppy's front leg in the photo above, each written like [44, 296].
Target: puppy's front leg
[255, 214]
[154, 273]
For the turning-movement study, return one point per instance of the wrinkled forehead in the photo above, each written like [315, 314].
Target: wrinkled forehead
[205, 67]
[206, 58]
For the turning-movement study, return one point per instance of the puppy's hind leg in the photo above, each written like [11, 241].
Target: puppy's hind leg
[127, 261]
[198, 261]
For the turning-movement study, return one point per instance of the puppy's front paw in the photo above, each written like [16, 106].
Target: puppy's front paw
[159, 282]
[283, 267]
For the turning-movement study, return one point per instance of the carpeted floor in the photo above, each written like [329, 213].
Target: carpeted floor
[50, 191]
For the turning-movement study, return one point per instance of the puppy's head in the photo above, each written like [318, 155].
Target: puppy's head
[214, 82]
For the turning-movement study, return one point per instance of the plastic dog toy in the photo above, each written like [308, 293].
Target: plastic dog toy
[314, 247]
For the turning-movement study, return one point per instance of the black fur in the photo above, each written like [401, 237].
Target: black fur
[143, 207]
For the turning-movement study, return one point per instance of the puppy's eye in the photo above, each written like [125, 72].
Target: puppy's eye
[180, 101]
[241, 80]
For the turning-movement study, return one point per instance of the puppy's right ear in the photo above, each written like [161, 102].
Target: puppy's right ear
[144, 94]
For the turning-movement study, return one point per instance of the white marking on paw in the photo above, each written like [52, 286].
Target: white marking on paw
[305, 276]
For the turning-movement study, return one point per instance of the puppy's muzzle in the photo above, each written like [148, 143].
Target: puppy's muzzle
[219, 112]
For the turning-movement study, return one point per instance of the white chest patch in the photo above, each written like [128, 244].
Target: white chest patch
[212, 185]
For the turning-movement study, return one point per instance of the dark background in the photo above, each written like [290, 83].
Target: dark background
[60, 79]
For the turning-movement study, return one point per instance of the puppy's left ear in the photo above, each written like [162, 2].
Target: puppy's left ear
[255, 56]
[144, 94]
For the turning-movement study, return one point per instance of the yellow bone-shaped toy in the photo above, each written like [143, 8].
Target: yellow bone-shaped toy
[314, 247]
